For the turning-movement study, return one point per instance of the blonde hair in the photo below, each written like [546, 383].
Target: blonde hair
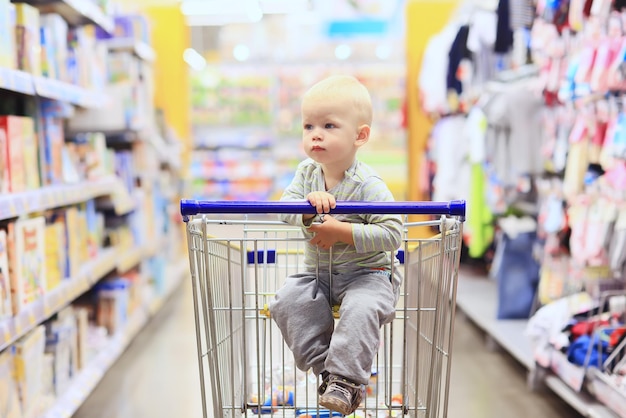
[344, 87]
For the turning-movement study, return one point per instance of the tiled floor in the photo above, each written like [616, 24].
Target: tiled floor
[157, 377]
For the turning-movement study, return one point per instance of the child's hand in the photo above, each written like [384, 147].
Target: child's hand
[322, 201]
[327, 233]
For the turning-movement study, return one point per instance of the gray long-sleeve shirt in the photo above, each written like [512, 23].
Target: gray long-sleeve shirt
[374, 235]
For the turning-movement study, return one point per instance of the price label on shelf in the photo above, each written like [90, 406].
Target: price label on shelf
[18, 205]
[5, 330]
[32, 317]
[4, 79]
[19, 328]
[5, 208]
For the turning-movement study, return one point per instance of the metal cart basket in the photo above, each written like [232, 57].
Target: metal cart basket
[240, 255]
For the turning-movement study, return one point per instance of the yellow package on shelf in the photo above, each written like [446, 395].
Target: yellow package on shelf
[29, 353]
[7, 35]
[28, 39]
[9, 398]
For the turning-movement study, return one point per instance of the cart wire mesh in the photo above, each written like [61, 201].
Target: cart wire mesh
[240, 256]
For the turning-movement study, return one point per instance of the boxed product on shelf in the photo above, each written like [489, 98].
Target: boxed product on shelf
[122, 66]
[31, 154]
[86, 157]
[82, 327]
[10, 406]
[6, 309]
[124, 168]
[77, 236]
[28, 39]
[7, 35]
[62, 343]
[113, 304]
[47, 382]
[20, 153]
[130, 26]
[54, 31]
[12, 126]
[28, 274]
[54, 141]
[56, 249]
[5, 181]
[141, 221]
[86, 60]
[100, 159]
[95, 229]
[29, 353]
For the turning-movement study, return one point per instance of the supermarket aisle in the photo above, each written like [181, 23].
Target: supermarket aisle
[157, 376]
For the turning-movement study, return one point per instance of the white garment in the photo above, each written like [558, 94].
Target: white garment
[482, 30]
[450, 148]
[481, 41]
[548, 322]
[432, 81]
[476, 130]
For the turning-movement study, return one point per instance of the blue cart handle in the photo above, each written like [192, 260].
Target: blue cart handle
[196, 207]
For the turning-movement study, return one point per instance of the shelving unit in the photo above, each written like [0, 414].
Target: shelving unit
[49, 197]
[127, 200]
[477, 298]
[24, 83]
[83, 384]
[12, 329]
[142, 50]
[76, 12]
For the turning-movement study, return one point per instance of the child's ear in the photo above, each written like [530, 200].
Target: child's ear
[363, 135]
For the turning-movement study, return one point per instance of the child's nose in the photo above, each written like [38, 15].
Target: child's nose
[317, 134]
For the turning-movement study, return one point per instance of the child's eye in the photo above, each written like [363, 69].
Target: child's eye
[308, 127]
[329, 126]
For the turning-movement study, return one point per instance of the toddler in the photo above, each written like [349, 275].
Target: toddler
[348, 258]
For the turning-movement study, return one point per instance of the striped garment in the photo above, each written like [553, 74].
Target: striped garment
[374, 235]
[522, 14]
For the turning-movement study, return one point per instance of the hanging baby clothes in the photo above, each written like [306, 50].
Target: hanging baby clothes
[481, 41]
[457, 53]
[504, 38]
[432, 82]
[449, 151]
[514, 137]
[480, 227]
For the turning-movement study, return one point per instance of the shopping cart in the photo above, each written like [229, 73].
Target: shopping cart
[239, 256]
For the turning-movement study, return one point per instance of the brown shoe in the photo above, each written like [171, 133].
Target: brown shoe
[342, 395]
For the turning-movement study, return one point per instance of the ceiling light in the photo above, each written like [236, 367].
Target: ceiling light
[343, 51]
[241, 52]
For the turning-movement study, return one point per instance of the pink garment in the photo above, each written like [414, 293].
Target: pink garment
[616, 176]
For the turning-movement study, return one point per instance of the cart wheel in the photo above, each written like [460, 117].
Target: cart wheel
[535, 380]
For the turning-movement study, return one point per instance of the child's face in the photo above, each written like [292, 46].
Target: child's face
[330, 132]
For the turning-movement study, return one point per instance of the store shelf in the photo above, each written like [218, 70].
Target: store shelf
[12, 329]
[50, 197]
[24, 83]
[129, 258]
[141, 49]
[76, 12]
[584, 404]
[607, 392]
[65, 92]
[477, 298]
[16, 81]
[88, 378]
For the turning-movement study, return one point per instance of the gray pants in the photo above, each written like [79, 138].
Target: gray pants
[303, 313]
